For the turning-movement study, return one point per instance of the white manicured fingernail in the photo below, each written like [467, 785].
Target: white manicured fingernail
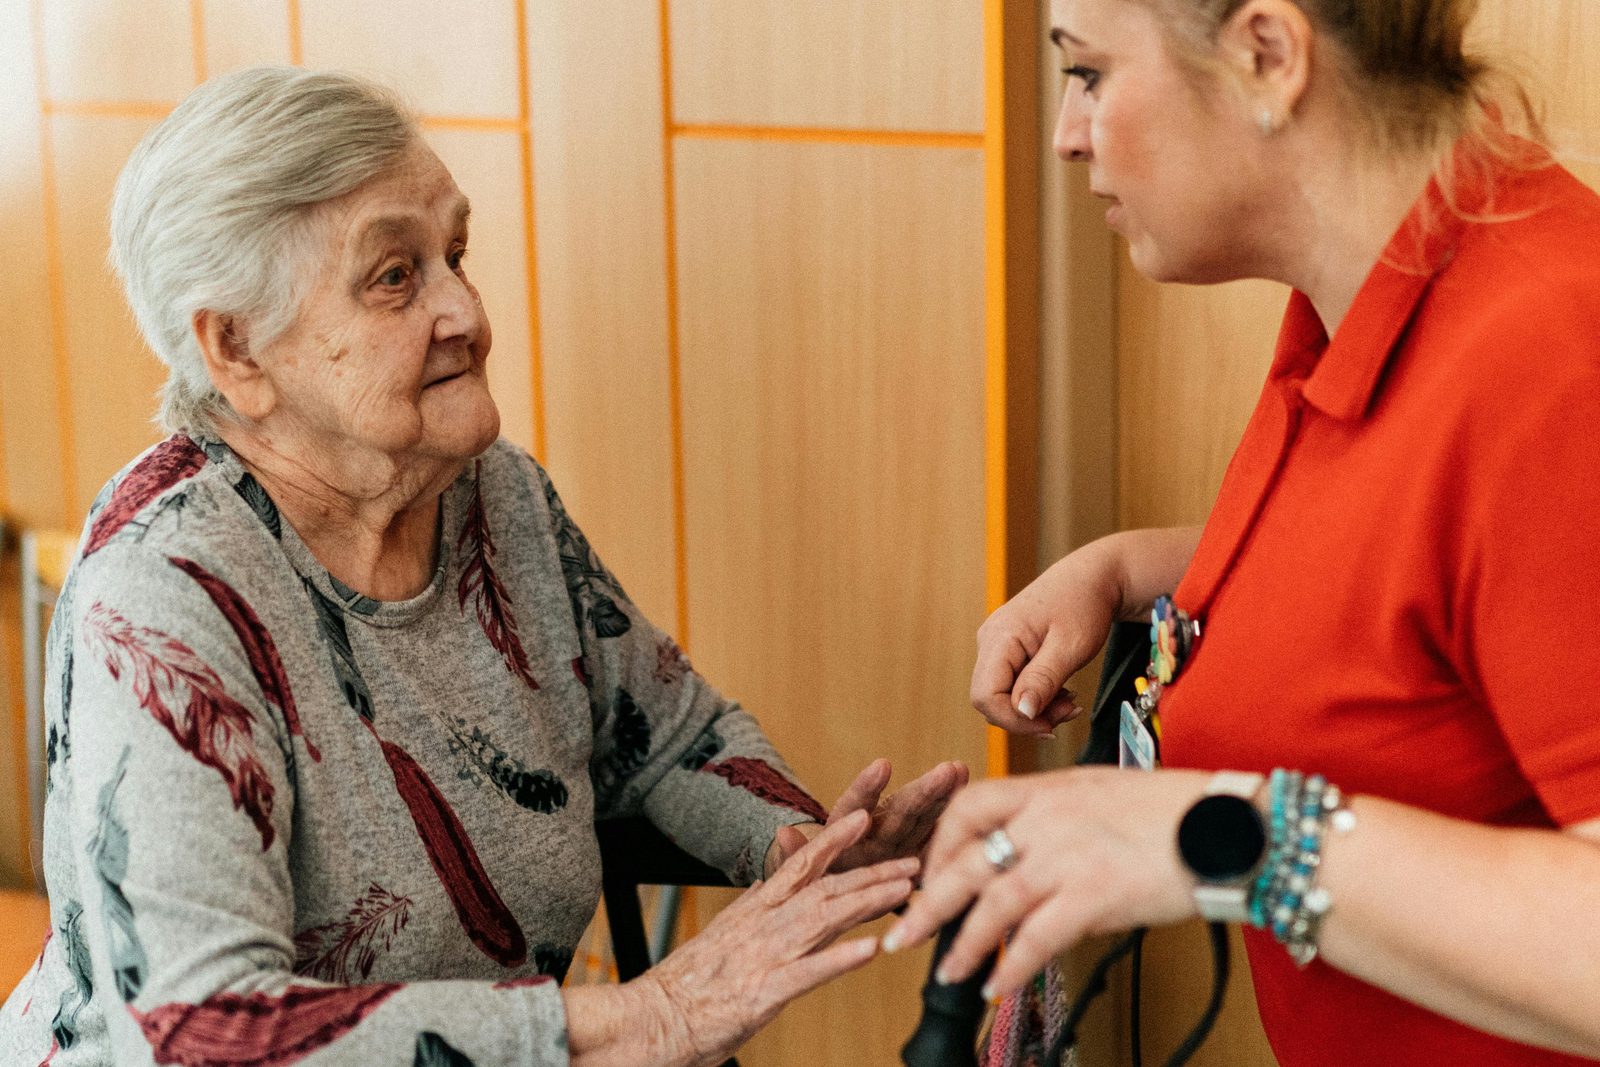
[891, 940]
[988, 991]
[1026, 708]
[942, 975]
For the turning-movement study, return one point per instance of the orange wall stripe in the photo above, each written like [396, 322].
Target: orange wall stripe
[530, 241]
[197, 33]
[65, 434]
[484, 123]
[680, 522]
[835, 135]
[995, 436]
[115, 109]
[297, 51]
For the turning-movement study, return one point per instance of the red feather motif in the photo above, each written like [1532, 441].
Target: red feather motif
[326, 951]
[37, 965]
[258, 1029]
[765, 781]
[490, 599]
[55, 1047]
[265, 663]
[213, 727]
[168, 463]
[484, 916]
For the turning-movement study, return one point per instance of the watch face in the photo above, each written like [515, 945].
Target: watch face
[1222, 838]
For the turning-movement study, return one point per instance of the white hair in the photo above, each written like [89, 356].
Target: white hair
[212, 209]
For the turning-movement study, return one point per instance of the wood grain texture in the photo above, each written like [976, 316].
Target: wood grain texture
[833, 63]
[833, 394]
[445, 59]
[242, 32]
[117, 51]
[1554, 47]
[596, 82]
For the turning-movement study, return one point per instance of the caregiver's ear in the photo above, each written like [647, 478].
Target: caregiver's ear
[1268, 45]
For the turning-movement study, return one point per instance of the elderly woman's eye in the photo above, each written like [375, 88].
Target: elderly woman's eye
[456, 257]
[395, 276]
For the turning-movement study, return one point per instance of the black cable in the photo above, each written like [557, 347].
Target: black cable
[1135, 980]
[1095, 985]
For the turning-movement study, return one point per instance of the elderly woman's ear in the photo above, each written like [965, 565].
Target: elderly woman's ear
[224, 342]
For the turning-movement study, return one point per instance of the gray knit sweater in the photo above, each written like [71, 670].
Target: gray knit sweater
[288, 823]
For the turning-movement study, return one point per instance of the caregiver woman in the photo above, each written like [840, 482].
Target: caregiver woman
[1391, 602]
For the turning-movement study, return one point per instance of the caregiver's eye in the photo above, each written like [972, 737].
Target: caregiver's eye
[1090, 76]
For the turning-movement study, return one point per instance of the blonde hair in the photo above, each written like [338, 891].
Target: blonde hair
[1406, 71]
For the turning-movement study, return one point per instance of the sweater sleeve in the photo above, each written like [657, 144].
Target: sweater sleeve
[180, 921]
[666, 743]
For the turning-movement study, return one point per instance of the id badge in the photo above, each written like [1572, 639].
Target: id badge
[1135, 747]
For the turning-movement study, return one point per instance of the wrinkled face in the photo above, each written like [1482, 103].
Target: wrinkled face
[1174, 162]
[387, 353]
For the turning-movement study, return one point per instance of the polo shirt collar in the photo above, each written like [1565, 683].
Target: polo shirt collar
[1342, 375]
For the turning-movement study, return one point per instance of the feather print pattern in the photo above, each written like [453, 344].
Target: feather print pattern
[435, 1051]
[765, 781]
[165, 466]
[330, 621]
[540, 791]
[110, 851]
[248, 488]
[345, 951]
[257, 1029]
[480, 584]
[630, 746]
[484, 916]
[585, 575]
[64, 1027]
[265, 662]
[186, 697]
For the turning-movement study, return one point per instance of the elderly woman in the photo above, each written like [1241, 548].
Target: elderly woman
[339, 689]
[1381, 631]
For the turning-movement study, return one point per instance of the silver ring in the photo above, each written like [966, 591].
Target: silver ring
[999, 851]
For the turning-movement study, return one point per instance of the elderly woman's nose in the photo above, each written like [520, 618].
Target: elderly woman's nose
[458, 310]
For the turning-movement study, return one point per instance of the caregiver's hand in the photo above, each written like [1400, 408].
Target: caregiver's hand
[901, 823]
[774, 943]
[1096, 852]
[1034, 642]
[1039, 638]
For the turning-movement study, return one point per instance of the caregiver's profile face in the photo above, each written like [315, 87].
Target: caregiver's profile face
[1162, 145]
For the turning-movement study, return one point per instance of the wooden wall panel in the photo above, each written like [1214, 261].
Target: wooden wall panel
[601, 208]
[240, 33]
[1193, 360]
[1555, 46]
[114, 376]
[832, 324]
[31, 474]
[487, 167]
[100, 52]
[832, 63]
[446, 59]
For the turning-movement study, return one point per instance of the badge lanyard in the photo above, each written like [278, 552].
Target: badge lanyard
[1173, 635]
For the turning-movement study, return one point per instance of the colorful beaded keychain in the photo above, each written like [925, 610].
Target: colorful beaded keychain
[1172, 638]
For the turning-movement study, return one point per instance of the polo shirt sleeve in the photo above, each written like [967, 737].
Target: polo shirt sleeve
[1530, 630]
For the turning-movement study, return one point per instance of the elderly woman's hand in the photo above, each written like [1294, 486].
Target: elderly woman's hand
[773, 944]
[901, 823]
[1096, 852]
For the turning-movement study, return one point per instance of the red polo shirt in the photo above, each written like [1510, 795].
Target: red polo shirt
[1400, 580]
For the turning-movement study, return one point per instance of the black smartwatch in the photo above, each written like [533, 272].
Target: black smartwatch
[1223, 841]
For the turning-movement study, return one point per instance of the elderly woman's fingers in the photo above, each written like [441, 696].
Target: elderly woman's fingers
[859, 878]
[812, 861]
[863, 793]
[809, 972]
